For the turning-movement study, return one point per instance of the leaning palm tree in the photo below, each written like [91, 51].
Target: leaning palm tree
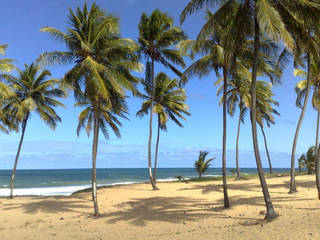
[302, 89]
[103, 62]
[270, 19]
[33, 93]
[157, 36]
[202, 164]
[169, 103]
[265, 113]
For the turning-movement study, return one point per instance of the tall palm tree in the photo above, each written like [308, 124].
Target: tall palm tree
[215, 56]
[103, 62]
[238, 94]
[265, 114]
[302, 91]
[269, 19]
[307, 48]
[157, 36]
[202, 164]
[169, 103]
[33, 93]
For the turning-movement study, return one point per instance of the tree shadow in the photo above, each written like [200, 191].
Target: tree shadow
[245, 186]
[49, 205]
[166, 209]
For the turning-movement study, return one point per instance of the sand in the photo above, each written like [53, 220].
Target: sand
[183, 211]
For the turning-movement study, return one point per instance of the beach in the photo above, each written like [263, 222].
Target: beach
[178, 210]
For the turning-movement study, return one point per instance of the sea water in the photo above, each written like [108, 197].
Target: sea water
[49, 182]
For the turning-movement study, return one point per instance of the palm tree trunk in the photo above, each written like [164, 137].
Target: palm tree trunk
[237, 145]
[154, 187]
[293, 188]
[156, 154]
[24, 125]
[318, 171]
[94, 159]
[224, 138]
[266, 146]
[317, 134]
[271, 214]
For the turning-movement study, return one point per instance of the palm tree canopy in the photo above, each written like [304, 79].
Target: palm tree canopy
[169, 100]
[108, 117]
[5, 66]
[201, 165]
[33, 93]
[301, 86]
[277, 19]
[308, 160]
[157, 35]
[102, 59]
[5, 63]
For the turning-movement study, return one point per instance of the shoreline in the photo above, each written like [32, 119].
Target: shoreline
[87, 187]
[178, 211]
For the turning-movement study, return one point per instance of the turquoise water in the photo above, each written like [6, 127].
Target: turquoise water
[65, 181]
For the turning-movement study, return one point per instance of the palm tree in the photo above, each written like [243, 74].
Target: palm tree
[7, 123]
[216, 57]
[157, 35]
[169, 103]
[107, 117]
[6, 64]
[33, 93]
[308, 160]
[103, 62]
[265, 113]
[271, 19]
[237, 94]
[202, 165]
[302, 91]
[307, 49]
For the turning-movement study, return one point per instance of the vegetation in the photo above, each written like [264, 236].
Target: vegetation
[308, 160]
[202, 164]
[103, 62]
[168, 103]
[33, 92]
[246, 43]
[157, 36]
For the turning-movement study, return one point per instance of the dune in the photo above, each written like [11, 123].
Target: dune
[179, 210]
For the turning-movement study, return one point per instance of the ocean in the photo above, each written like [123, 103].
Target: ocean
[52, 182]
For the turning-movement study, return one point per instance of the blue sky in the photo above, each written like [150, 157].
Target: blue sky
[43, 148]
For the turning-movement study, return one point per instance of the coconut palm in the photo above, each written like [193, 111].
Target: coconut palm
[202, 165]
[6, 64]
[271, 19]
[237, 96]
[7, 123]
[215, 56]
[157, 36]
[107, 117]
[302, 91]
[103, 62]
[307, 48]
[265, 114]
[308, 160]
[169, 103]
[34, 92]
